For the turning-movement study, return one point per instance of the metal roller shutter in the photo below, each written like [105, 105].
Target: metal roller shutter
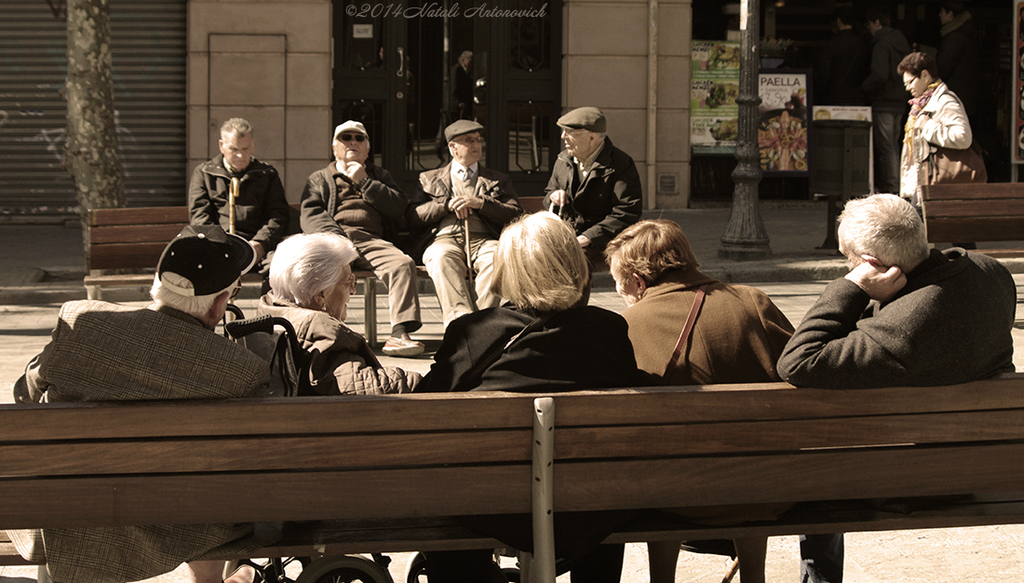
[149, 60]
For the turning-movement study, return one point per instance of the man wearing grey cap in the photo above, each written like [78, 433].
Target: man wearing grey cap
[465, 206]
[106, 352]
[359, 200]
[594, 186]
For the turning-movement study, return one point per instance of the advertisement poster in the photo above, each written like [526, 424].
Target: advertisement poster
[1018, 83]
[782, 122]
[714, 85]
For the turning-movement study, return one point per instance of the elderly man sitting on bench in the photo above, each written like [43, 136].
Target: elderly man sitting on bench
[107, 352]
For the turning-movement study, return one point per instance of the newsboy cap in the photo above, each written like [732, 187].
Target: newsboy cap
[585, 118]
[350, 126]
[208, 259]
[461, 128]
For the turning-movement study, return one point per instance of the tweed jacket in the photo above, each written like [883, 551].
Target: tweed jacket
[950, 324]
[341, 362]
[607, 201]
[261, 210]
[101, 352]
[738, 336]
[435, 190]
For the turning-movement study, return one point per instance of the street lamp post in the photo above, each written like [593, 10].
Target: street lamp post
[745, 237]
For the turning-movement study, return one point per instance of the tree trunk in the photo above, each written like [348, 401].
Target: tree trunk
[90, 155]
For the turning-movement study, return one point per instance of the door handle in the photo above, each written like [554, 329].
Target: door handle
[401, 62]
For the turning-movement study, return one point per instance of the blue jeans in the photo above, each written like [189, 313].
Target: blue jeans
[821, 558]
[888, 134]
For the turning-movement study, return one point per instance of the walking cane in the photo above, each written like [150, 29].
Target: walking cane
[232, 195]
[469, 258]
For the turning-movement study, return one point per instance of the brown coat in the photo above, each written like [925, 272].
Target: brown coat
[737, 338]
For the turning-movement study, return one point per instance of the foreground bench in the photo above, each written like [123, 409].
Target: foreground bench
[960, 213]
[387, 473]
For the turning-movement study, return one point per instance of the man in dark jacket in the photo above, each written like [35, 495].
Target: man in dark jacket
[465, 206]
[594, 186]
[843, 63]
[888, 97]
[904, 315]
[361, 201]
[261, 209]
[958, 54]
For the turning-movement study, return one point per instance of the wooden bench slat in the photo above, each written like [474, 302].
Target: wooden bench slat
[955, 230]
[126, 255]
[995, 208]
[134, 234]
[139, 215]
[972, 191]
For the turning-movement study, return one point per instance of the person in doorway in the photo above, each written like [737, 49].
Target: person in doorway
[885, 92]
[958, 54]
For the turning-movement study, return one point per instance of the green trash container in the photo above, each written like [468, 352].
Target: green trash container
[840, 163]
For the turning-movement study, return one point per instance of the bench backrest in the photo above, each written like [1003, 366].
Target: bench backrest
[956, 213]
[452, 454]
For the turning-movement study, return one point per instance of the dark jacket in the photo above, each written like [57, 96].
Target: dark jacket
[950, 324]
[320, 200]
[577, 349]
[884, 86]
[435, 190]
[958, 62]
[261, 209]
[842, 67]
[608, 200]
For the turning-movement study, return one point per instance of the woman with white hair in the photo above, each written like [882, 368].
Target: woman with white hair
[310, 281]
[548, 340]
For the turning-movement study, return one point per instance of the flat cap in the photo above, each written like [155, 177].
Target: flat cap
[586, 118]
[461, 128]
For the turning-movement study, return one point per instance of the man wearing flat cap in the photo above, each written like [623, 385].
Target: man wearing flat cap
[594, 186]
[359, 200]
[101, 351]
[465, 206]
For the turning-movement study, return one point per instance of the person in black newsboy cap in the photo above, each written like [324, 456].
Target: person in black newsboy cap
[464, 207]
[594, 186]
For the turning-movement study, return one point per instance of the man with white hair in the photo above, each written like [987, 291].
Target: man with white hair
[357, 199]
[594, 186]
[106, 352]
[903, 316]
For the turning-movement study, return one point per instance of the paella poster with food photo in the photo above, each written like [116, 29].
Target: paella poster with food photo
[714, 85]
[782, 124]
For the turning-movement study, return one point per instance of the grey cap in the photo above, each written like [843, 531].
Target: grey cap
[461, 128]
[586, 118]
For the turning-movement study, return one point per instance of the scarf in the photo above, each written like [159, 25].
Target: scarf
[916, 107]
[956, 23]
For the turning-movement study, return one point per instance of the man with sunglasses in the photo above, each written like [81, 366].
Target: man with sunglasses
[465, 206]
[359, 200]
[594, 186]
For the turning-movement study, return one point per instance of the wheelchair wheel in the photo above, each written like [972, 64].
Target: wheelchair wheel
[344, 569]
[416, 570]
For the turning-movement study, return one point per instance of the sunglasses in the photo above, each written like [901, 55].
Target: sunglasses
[350, 137]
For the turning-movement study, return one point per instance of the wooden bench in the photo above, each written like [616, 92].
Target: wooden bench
[387, 473]
[134, 238]
[992, 212]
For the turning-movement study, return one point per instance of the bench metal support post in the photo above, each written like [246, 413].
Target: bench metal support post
[543, 491]
[370, 310]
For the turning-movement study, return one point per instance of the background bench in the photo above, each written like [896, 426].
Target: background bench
[960, 213]
[134, 238]
[387, 473]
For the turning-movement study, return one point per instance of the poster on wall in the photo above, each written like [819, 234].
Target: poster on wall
[1018, 84]
[782, 136]
[714, 85]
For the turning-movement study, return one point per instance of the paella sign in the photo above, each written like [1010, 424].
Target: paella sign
[782, 123]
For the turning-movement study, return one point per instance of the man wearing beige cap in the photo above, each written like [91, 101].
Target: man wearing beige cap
[106, 352]
[361, 201]
[465, 206]
[594, 186]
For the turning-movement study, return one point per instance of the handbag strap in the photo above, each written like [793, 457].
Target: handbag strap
[684, 336]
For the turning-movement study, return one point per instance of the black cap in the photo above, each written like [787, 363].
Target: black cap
[209, 259]
[584, 118]
[461, 128]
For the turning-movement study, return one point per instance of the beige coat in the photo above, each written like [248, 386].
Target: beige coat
[946, 125]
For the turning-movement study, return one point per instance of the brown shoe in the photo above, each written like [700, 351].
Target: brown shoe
[396, 346]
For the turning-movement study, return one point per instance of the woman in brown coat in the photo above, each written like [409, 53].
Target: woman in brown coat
[737, 337]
